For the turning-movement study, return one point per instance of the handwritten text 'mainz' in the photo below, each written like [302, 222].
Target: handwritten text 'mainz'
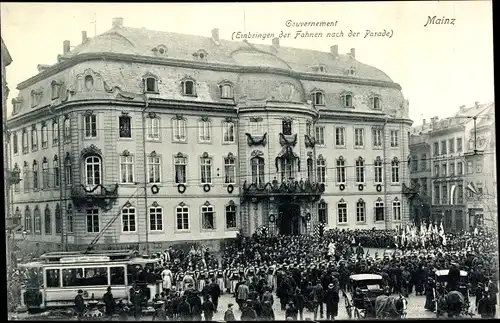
[439, 21]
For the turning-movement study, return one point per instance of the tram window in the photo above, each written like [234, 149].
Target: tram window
[73, 277]
[117, 276]
[53, 276]
[96, 276]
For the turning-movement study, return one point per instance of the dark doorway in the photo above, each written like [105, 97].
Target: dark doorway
[289, 220]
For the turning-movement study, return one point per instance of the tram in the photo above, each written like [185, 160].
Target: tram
[54, 279]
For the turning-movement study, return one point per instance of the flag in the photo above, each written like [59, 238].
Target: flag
[471, 187]
[476, 231]
[452, 194]
[444, 240]
[435, 228]
[429, 229]
[403, 237]
[407, 229]
[353, 240]
[441, 230]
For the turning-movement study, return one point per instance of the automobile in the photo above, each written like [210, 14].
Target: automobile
[365, 290]
[441, 278]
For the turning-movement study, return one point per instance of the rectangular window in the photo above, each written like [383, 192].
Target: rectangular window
[341, 175]
[53, 278]
[179, 130]
[451, 146]
[460, 168]
[180, 170]
[208, 217]
[379, 211]
[444, 194]
[470, 167]
[34, 139]
[125, 123]
[154, 165]
[55, 133]
[323, 213]
[378, 171]
[394, 138]
[92, 220]
[231, 217]
[24, 140]
[460, 194]
[321, 169]
[423, 162]
[359, 137]
[436, 194]
[258, 171]
[128, 219]
[67, 130]
[310, 170]
[443, 147]
[68, 172]
[452, 169]
[342, 212]
[35, 177]
[153, 126]
[155, 219]
[206, 170]
[340, 137]
[229, 170]
[14, 144]
[127, 169]
[286, 127]
[424, 186]
[360, 171]
[117, 276]
[204, 131]
[45, 175]
[182, 214]
[436, 169]
[479, 188]
[257, 128]
[45, 137]
[320, 136]
[444, 170]
[479, 166]
[459, 145]
[69, 219]
[360, 212]
[377, 138]
[436, 148]
[90, 126]
[396, 210]
[395, 172]
[228, 135]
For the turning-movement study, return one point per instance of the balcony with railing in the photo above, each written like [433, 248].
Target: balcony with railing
[96, 195]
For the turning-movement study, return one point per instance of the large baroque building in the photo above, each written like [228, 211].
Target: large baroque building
[453, 169]
[146, 137]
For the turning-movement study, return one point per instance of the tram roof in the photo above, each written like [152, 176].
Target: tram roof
[112, 254]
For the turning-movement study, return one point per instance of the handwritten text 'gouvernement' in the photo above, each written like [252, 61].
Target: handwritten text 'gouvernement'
[238, 35]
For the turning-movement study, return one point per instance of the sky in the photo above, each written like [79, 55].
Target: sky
[440, 67]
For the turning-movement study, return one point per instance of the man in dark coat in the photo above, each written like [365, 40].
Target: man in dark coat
[214, 292]
[291, 312]
[332, 302]
[184, 309]
[317, 298]
[299, 302]
[208, 309]
[229, 314]
[109, 301]
[137, 302]
[453, 278]
[267, 311]
[79, 304]
[247, 312]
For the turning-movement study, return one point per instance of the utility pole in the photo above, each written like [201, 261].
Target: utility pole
[145, 168]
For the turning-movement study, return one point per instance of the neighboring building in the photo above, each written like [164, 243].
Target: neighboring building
[450, 143]
[221, 135]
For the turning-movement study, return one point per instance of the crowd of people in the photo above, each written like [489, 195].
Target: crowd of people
[308, 272]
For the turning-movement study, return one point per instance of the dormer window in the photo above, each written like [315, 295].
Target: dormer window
[151, 85]
[347, 100]
[188, 87]
[201, 54]
[351, 70]
[35, 97]
[160, 50]
[375, 102]
[226, 91]
[318, 98]
[322, 69]
[17, 104]
[56, 87]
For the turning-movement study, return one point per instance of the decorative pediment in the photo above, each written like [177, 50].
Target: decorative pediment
[361, 201]
[179, 155]
[88, 113]
[90, 150]
[378, 159]
[395, 160]
[182, 204]
[230, 156]
[228, 119]
[360, 159]
[178, 117]
[124, 114]
[44, 160]
[155, 204]
[201, 54]
[17, 104]
[257, 153]
[396, 199]
[351, 70]
[35, 162]
[126, 153]
[205, 155]
[55, 158]
[89, 81]
[67, 158]
[322, 201]
[288, 140]
[25, 164]
[153, 154]
[310, 154]
[16, 168]
[127, 205]
[342, 200]
[149, 75]
[152, 115]
[341, 158]
[231, 203]
[205, 119]
[207, 203]
[160, 50]
[309, 141]
[256, 140]
[33, 127]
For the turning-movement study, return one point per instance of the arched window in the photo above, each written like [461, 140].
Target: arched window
[188, 87]
[55, 132]
[26, 183]
[323, 212]
[56, 171]
[229, 169]
[34, 139]
[28, 224]
[310, 170]
[155, 217]
[342, 212]
[182, 217]
[24, 140]
[208, 216]
[226, 91]
[69, 218]
[92, 171]
[378, 168]
[341, 170]
[67, 129]
[360, 170]
[375, 102]
[204, 130]
[231, 219]
[45, 173]
[360, 211]
[18, 215]
[179, 129]
[47, 220]
[35, 175]
[150, 85]
[379, 210]
[206, 166]
[318, 98]
[15, 148]
[396, 209]
[347, 100]
[257, 171]
[395, 170]
[38, 220]
[58, 219]
[228, 129]
[45, 136]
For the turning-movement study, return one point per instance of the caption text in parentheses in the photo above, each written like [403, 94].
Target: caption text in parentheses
[379, 34]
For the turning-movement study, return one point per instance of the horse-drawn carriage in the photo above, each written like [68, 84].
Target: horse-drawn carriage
[455, 303]
[365, 288]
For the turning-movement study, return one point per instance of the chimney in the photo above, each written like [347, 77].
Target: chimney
[276, 43]
[66, 47]
[334, 50]
[353, 52]
[117, 22]
[434, 119]
[476, 104]
[462, 108]
[424, 122]
[84, 36]
[42, 67]
[215, 34]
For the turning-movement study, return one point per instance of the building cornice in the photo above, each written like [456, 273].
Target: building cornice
[360, 116]
[218, 67]
[447, 130]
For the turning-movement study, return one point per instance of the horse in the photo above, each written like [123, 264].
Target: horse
[392, 307]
